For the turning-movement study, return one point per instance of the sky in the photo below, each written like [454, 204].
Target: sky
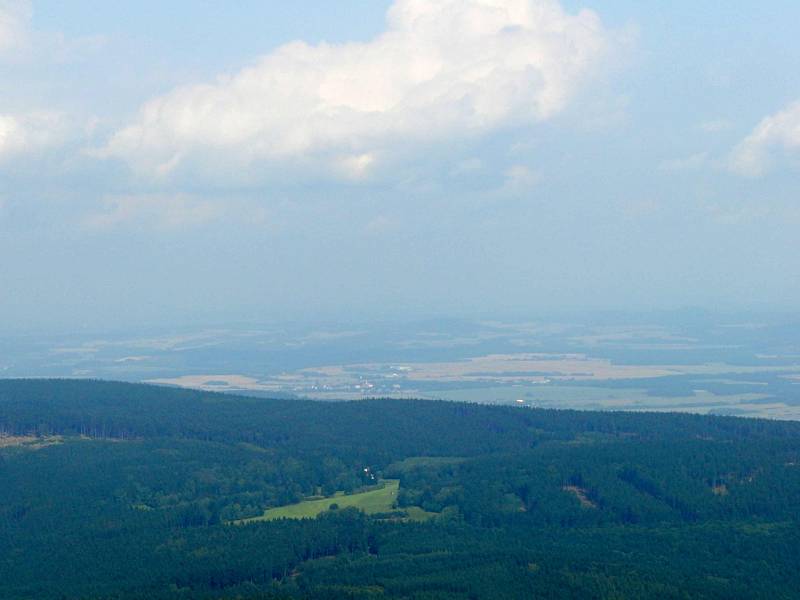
[254, 161]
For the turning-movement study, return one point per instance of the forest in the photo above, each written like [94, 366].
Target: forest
[117, 490]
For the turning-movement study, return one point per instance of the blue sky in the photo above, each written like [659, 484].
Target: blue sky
[210, 161]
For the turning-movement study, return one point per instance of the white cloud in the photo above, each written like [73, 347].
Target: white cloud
[716, 125]
[173, 211]
[754, 155]
[356, 166]
[747, 213]
[29, 132]
[686, 163]
[14, 17]
[380, 225]
[153, 210]
[22, 133]
[11, 134]
[520, 178]
[469, 165]
[20, 43]
[442, 68]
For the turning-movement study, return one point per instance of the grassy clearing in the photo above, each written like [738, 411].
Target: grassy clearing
[372, 501]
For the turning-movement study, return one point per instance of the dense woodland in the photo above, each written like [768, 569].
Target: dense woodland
[129, 491]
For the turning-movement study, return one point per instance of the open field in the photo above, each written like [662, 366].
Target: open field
[365, 377]
[429, 379]
[637, 399]
[720, 367]
[371, 501]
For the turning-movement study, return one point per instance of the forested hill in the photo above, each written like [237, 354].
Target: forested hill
[104, 409]
[115, 490]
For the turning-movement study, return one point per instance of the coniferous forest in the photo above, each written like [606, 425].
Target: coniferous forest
[114, 490]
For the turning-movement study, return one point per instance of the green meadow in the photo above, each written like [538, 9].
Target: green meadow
[374, 500]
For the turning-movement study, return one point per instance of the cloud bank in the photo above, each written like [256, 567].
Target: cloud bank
[29, 132]
[165, 211]
[14, 17]
[23, 132]
[442, 69]
[754, 155]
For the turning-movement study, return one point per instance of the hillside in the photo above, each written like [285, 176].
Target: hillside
[115, 490]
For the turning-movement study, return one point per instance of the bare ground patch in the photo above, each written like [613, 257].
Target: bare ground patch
[720, 490]
[581, 494]
[29, 441]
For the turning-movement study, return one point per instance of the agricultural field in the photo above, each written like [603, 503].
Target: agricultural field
[729, 365]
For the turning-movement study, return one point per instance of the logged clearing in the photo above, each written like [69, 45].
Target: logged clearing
[720, 490]
[28, 441]
[581, 495]
[376, 500]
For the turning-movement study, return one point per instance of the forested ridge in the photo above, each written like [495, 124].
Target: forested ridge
[120, 490]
